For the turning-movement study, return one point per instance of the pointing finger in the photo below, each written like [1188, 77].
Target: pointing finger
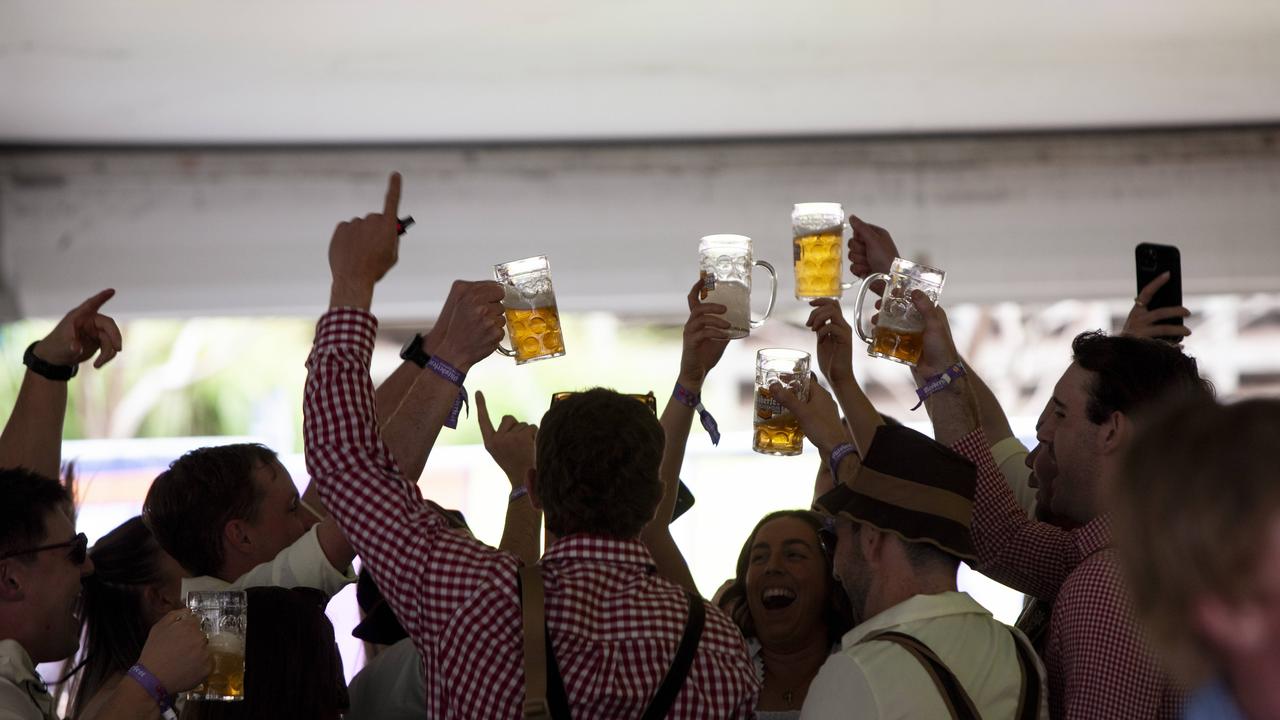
[482, 417]
[391, 206]
[92, 304]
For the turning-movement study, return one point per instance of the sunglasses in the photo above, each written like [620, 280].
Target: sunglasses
[78, 553]
[648, 399]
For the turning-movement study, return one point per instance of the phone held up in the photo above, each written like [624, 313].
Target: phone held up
[1152, 261]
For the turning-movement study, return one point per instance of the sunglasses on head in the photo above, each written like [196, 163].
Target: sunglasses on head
[79, 549]
[649, 400]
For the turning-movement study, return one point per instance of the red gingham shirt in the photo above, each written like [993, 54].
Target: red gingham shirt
[614, 623]
[1098, 663]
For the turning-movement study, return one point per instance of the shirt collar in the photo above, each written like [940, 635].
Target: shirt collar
[1093, 536]
[595, 548]
[915, 609]
[16, 667]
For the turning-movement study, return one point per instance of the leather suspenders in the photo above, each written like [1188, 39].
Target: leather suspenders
[958, 702]
[544, 693]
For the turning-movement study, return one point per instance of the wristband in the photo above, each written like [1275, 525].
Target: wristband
[152, 685]
[517, 493]
[838, 453]
[938, 383]
[684, 396]
[455, 376]
[47, 370]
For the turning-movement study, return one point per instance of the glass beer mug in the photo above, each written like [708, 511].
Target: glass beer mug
[776, 429]
[818, 250]
[533, 322]
[224, 619]
[725, 265]
[899, 332]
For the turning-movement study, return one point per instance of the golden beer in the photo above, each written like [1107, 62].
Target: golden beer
[817, 262]
[226, 682]
[535, 333]
[223, 617]
[904, 346]
[777, 430]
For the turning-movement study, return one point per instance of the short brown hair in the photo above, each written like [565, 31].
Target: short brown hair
[598, 457]
[190, 504]
[29, 497]
[1192, 506]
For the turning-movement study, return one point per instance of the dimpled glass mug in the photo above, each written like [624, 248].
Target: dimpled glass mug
[533, 322]
[899, 331]
[817, 249]
[224, 619]
[776, 429]
[725, 265]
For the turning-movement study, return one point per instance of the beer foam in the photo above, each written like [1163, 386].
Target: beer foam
[228, 643]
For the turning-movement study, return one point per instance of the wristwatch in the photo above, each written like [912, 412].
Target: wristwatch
[61, 373]
[413, 352]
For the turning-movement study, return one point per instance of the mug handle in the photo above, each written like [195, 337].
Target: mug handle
[773, 295]
[862, 295]
[500, 349]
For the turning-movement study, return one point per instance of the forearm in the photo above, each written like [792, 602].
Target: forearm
[126, 701]
[520, 532]
[394, 390]
[953, 410]
[861, 415]
[990, 414]
[676, 421]
[412, 431]
[32, 437]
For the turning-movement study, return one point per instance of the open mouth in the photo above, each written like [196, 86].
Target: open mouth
[777, 598]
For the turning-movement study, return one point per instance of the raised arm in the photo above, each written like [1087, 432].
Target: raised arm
[820, 422]
[513, 445]
[835, 360]
[32, 437]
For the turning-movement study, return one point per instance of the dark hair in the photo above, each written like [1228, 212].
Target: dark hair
[190, 504]
[28, 498]
[292, 665]
[924, 556]
[126, 561]
[838, 615]
[598, 456]
[1134, 375]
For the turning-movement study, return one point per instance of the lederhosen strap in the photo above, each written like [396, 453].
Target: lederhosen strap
[545, 696]
[958, 702]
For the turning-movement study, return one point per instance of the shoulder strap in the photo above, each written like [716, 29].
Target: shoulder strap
[679, 671]
[535, 645]
[956, 699]
[1029, 699]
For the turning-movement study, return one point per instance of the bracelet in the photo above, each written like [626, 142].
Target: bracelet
[517, 493]
[455, 376]
[685, 396]
[838, 453]
[152, 685]
[938, 383]
[47, 370]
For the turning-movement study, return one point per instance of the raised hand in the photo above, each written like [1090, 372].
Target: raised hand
[835, 340]
[177, 651]
[512, 444]
[706, 335]
[476, 319]
[818, 415]
[1143, 322]
[434, 337]
[871, 248]
[81, 333]
[939, 348]
[362, 250]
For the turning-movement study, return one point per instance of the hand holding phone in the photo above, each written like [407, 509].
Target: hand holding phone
[1157, 308]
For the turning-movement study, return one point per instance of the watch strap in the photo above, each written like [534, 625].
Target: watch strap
[47, 370]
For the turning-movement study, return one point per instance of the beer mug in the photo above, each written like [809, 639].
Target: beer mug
[224, 619]
[725, 264]
[818, 249]
[899, 333]
[533, 322]
[777, 431]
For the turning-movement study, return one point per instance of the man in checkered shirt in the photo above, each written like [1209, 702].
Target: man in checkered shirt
[614, 624]
[1099, 664]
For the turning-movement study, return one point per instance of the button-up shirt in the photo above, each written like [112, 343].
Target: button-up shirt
[302, 564]
[1099, 664]
[23, 695]
[615, 625]
[880, 679]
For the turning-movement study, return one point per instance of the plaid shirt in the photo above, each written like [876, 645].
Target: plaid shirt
[615, 625]
[1098, 663]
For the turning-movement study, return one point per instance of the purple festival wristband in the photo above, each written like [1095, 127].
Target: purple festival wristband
[455, 376]
[152, 685]
[838, 453]
[938, 383]
[685, 396]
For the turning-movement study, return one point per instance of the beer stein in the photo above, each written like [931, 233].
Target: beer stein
[224, 619]
[818, 248]
[725, 264]
[899, 332]
[533, 322]
[777, 430]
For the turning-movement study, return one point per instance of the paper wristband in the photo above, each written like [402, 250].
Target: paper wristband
[684, 396]
[838, 453]
[152, 685]
[938, 383]
[455, 376]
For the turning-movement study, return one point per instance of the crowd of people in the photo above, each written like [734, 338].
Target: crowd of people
[1144, 529]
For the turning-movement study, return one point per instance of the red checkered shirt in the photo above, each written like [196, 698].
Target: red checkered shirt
[614, 623]
[1098, 663]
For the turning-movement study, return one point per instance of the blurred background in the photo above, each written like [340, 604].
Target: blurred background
[197, 156]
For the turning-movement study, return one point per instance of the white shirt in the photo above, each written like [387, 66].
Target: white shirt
[302, 564]
[880, 679]
[390, 687]
[23, 695]
[1011, 457]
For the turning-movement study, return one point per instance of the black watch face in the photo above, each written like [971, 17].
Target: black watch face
[408, 351]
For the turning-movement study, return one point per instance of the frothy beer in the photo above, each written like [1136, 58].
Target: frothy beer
[736, 297]
[777, 430]
[896, 343]
[535, 332]
[226, 682]
[817, 263]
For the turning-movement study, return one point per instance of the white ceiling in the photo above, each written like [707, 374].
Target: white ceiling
[158, 71]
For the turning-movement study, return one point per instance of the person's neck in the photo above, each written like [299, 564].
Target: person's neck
[18, 630]
[789, 670]
[234, 568]
[898, 588]
[1253, 682]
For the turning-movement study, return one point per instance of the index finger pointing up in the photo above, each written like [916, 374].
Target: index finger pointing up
[391, 206]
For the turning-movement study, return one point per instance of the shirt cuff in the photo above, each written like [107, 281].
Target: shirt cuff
[347, 326]
[972, 446]
[1007, 448]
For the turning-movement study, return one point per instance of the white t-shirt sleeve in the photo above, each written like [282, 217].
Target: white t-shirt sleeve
[1010, 456]
[302, 564]
[840, 690]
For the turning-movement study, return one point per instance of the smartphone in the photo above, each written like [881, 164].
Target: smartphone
[684, 501]
[1151, 261]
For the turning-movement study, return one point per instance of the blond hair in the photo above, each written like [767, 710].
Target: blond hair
[1191, 509]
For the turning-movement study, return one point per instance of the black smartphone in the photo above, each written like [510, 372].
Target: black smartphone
[1151, 261]
[684, 501]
